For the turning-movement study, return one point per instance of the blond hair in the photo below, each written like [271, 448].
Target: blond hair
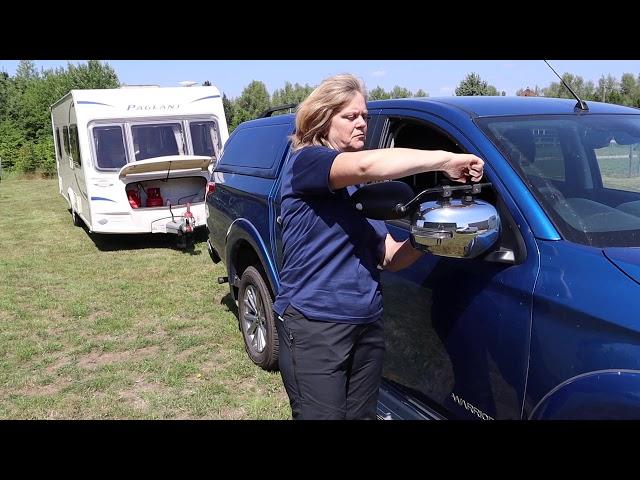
[313, 117]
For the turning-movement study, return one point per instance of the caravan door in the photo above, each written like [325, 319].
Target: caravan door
[81, 201]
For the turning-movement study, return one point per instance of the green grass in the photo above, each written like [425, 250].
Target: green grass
[118, 326]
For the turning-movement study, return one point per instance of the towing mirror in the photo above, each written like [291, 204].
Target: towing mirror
[380, 201]
[459, 228]
[450, 227]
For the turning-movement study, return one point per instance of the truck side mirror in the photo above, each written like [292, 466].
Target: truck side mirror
[379, 201]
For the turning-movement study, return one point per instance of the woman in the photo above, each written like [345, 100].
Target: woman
[329, 305]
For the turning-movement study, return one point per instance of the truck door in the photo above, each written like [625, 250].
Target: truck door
[457, 330]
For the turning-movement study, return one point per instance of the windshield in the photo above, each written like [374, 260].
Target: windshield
[583, 169]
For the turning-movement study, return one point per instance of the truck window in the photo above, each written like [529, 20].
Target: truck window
[204, 137]
[411, 134]
[109, 147]
[157, 140]
[254, 150]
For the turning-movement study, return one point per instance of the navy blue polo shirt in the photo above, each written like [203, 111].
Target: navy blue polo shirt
[331, 251]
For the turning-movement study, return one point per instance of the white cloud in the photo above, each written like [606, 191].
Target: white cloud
[446, 90]
[379, 73]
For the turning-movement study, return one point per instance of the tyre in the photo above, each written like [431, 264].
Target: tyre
[255, 316]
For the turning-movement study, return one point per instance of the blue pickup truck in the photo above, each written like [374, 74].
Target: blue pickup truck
[544, 324]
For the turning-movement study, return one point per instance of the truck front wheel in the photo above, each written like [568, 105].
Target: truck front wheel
[255, 315]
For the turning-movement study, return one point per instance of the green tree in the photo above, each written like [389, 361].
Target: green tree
[400, 92]
[227, 105]
[253, 101]
[609, 90]
[93, 74]
[379, 93]
[11, 139]
[474, 85]
[290, 94]
[26, 69]
[26, 140]
[585, 90]
[630, 90]
[5, 85]
[421, 93]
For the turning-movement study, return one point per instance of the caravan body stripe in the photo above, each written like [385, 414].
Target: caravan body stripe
[102, 198]
[205, 98]
[86, 102]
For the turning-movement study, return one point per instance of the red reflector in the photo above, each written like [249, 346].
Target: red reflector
[211, 187]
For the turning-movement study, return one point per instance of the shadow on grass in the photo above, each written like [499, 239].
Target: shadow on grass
[230, 303]
[106, 242]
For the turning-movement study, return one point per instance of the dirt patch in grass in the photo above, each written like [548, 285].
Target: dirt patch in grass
[185, 354]
[61, 362]
[93, 316]
[133, 396]
[227, 413]
[97, 359]
[40, 390]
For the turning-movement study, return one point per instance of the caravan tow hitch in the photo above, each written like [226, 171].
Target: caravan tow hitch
[183, 228]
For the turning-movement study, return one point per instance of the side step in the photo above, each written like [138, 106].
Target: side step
[236, 280]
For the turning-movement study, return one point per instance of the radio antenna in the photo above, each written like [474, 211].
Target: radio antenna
[581, 105]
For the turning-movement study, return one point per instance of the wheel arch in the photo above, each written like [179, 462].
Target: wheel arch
[602, 394]
[245, 247]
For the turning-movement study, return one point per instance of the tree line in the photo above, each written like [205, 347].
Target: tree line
[26, 140]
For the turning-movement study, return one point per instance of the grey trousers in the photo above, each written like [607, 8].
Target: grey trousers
[331, 371]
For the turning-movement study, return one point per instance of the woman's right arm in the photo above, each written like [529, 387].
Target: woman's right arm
[352, 168]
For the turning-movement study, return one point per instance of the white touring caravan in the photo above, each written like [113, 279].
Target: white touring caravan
[138, 159]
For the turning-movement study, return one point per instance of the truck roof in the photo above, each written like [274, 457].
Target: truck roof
[485, 106]
[477, 106]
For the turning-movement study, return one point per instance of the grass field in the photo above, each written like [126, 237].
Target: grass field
[118, 327]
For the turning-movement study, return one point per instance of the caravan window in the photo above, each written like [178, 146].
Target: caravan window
[109, 147]
[74, 144]
[204, 137]
[157, 140]
[58, 141]
[65, 139]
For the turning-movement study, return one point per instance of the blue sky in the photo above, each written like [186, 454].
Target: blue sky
[437, 77]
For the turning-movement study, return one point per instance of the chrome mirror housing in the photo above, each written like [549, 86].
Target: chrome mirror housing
[459, 228]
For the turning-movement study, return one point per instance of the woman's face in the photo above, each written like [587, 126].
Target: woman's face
[348, 129]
